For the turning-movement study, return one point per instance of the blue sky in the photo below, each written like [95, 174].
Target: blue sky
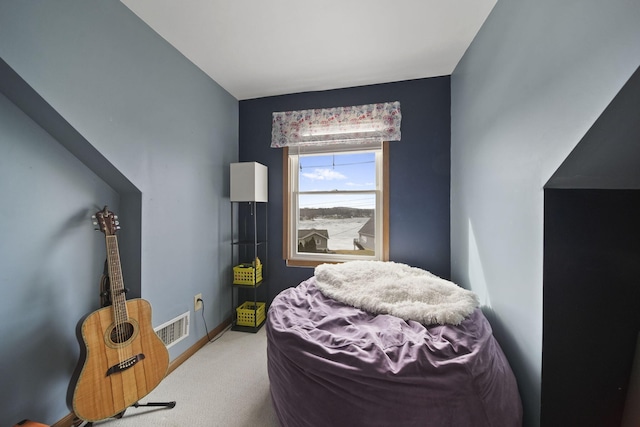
[345, 172]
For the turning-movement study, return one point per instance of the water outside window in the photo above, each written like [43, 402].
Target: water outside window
[337, 202]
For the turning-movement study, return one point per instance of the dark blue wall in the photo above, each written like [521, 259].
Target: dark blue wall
[419, 169]
[591, 306]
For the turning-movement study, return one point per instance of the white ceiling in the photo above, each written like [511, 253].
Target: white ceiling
[257, 48]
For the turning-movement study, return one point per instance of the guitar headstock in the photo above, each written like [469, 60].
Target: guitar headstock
[106, 221]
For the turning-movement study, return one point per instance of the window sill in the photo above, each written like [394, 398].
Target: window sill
[307, 263]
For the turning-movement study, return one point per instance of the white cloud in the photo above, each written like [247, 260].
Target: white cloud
[324, 175]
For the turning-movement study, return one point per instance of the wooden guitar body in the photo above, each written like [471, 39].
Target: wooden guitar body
[122, 365]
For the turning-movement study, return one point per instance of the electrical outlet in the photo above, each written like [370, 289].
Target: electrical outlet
[197, 305]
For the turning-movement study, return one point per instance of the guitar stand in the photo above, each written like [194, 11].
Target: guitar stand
[167, 405]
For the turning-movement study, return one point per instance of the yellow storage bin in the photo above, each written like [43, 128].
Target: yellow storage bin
[249, 314]
[243, 274]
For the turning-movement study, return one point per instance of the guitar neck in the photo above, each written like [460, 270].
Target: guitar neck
[115, 278]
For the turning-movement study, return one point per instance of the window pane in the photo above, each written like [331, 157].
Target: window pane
[335, 204]
[341, 171]
[337, 223]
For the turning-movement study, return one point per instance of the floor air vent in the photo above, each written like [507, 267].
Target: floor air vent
[174, 330]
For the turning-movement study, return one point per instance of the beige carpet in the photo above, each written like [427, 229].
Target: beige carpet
[223, 384]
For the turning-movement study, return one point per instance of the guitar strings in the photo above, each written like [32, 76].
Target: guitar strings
[114, 302]
[117, 296]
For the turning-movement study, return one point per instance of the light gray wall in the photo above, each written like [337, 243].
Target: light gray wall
[532, 83]
[609, 154]
[50, 264]
[166, 126]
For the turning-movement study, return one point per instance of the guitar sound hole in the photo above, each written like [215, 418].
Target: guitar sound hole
[122, 333]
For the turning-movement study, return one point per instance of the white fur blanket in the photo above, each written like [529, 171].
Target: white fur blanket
[397, 289]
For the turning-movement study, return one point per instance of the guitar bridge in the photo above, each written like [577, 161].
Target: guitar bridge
[124, 365]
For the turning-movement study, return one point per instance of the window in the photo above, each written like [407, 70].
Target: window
[335, 186]
[335, 203]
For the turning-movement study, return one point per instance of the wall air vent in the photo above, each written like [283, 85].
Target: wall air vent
[174, 330]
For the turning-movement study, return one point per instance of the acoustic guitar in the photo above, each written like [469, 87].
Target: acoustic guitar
[124, 358]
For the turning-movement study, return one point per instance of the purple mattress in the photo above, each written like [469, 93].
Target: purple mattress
[331, 364]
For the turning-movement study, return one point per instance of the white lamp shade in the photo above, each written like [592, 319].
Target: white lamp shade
[249, 182]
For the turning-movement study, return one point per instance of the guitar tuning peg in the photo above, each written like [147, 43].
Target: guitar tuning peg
[95, 222]
[93, 217]
[115, 217]
[118, 227]
[96, 229]
[117, 222]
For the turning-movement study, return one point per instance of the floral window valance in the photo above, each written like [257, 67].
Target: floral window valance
[350, 125]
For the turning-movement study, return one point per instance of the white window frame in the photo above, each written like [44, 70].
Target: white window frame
[291, 209]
